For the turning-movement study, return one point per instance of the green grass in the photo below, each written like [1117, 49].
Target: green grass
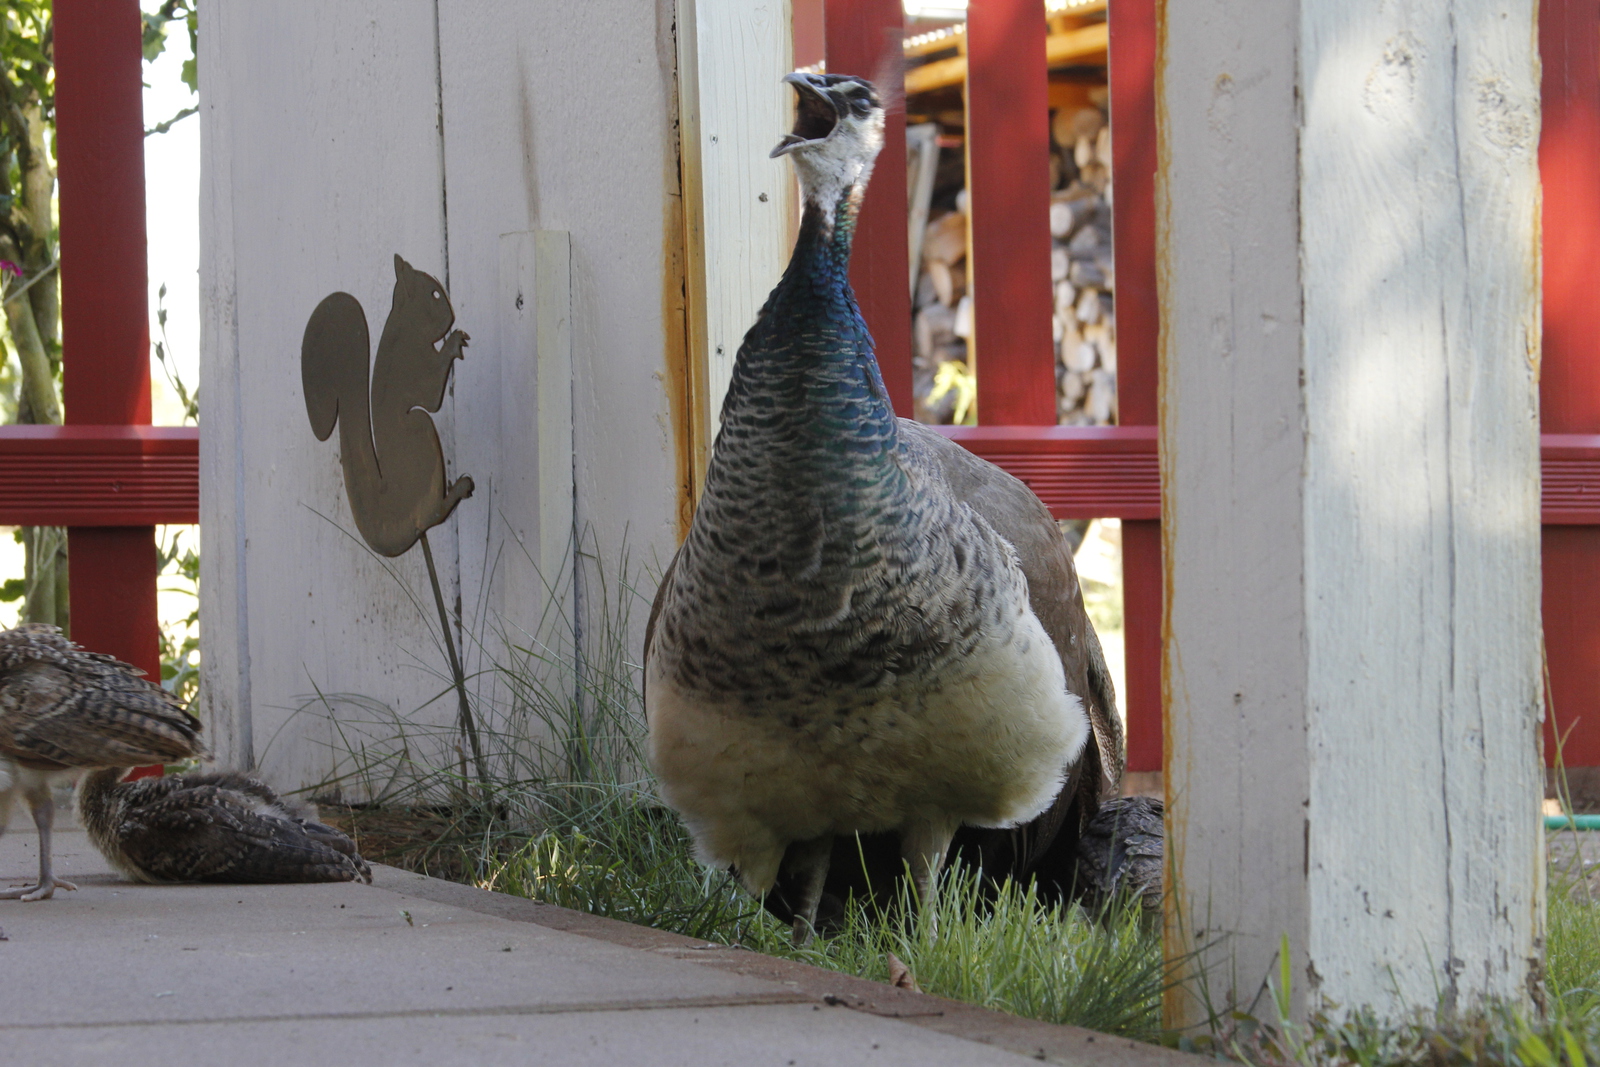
[569, 816]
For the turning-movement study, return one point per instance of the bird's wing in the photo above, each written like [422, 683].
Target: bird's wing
[1123, 848]
[35, 642]
[655, 613]
[89, 710]
[204, 832]
[1018, 515]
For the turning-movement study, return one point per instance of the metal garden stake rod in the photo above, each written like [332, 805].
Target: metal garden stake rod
[468, 726]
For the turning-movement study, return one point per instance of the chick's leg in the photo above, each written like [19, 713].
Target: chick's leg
[44, 814]
[805, 867]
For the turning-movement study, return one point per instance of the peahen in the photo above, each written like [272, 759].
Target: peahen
[872, 644]
[63, 710]
[223, 827]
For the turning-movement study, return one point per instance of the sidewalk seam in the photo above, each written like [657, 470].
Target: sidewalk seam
[576, 1008]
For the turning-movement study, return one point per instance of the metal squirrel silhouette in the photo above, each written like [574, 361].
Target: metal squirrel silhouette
[393, 466]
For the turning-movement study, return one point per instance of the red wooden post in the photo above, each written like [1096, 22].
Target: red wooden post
[1569, 394]
[1138, 309]
[807, 24]
[863, 38]
[1008, 195]
[105, 317]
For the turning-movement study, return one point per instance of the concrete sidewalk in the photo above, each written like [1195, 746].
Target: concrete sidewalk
[413, 970]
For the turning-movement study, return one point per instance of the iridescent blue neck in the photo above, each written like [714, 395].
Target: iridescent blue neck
[806, 375]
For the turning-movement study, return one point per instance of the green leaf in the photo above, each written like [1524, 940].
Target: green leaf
[13, 589]
[1532, 1051]
[1575, 1055]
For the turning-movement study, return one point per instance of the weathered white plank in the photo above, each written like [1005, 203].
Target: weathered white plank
[536, 488]
[523, 86]
[325, 137]
[224, 697]
[1351, 495]
[556, 122]
[732, 55]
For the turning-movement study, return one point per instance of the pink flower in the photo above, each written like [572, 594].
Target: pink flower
[6, 264]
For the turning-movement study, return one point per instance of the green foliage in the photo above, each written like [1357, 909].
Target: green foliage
[155, 36]
[25, 49]
[179, 572]
[1006, 950]
[155, 42]
[189, 398]
[1565, 1033]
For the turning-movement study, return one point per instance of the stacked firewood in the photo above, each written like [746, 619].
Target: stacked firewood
[1082, 276]
[1082, 271]
[941, 378]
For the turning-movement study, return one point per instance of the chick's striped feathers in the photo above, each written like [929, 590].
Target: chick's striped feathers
[213, 828]
[61, 706]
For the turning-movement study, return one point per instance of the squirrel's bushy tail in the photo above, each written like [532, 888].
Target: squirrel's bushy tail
[334, 371]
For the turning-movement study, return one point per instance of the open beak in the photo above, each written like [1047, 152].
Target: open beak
[815, 113]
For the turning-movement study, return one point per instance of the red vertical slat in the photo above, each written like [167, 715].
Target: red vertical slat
[1008, 191]
[1133, 148]
[1569, 393]
[863, 38]
[806, 27]
[105, 321]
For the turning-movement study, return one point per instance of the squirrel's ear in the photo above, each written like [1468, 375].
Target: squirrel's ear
[400, 266]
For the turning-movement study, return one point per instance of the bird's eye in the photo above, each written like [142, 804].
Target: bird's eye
[436, 294]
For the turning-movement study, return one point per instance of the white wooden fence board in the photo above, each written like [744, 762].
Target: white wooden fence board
[1419, 199]
[535, 504]
[1231, 519]
[1351, 474]
[329, 143]
[733, 55]
[224, 589]
[559, 122]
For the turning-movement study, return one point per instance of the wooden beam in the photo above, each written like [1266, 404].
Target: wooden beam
[1569, 390]
[738, 204]
[1350, 500]
[1132, 72]
[1080, 472]
[1008, 190]
[99, 475]
[105, 314]
[862, 35]
[1086, 44]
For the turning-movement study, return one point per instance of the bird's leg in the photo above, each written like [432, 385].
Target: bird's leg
[806, 864]
[923, 846]
[44, 816]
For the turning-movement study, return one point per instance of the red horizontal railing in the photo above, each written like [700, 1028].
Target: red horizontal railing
[99, 475]
[149, 475]
[1571, 468]
[1114, 471]
[1080, 472]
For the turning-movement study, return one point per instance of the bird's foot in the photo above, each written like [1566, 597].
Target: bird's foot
[37, 892]
[800, 935]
